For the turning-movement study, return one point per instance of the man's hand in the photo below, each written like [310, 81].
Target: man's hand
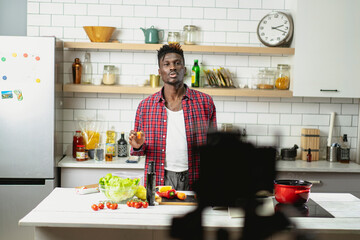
[136, 139]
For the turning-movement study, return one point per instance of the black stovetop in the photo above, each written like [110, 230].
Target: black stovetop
[309, 209]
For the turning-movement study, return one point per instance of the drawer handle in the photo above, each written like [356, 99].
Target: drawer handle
[328, 90]
[314, 181]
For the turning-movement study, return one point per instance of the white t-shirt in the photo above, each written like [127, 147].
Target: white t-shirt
[176, 159]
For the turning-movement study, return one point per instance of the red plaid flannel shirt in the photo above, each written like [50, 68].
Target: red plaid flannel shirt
[151, 118]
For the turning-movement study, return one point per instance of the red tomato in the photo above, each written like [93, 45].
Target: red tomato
[128, 203]
[133, 204]
[108, 204]
[101, 206]
[145, 204]
[114, 206]
[94, 207]
[138, 205]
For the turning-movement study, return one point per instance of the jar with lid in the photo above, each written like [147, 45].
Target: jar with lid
[80, 153]
[190, 34]
[282, 81]
[266, 79]
[109, 75]
[173, 38]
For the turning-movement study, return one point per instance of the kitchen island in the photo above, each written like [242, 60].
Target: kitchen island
[67, 215]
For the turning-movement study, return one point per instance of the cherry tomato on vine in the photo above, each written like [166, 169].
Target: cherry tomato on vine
[114, 206]
[145, 204]
[101, 205]
[108, 204]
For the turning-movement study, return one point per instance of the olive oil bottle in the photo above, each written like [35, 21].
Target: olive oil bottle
[195, 74]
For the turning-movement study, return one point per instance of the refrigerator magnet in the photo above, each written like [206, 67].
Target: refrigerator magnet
[19, 95]
[6, 94]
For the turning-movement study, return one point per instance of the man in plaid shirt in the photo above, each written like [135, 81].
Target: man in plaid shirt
[170, 123]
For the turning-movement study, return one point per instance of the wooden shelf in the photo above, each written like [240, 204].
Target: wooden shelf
[148, 90]
[186, 48]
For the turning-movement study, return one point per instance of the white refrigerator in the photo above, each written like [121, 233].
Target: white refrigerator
[30, 127]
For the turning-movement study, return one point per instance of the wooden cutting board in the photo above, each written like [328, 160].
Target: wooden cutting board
[189, 201]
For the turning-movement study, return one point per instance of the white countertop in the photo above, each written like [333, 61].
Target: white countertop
[317, 166]
[117, 162]
[64, 208]
[282, 166]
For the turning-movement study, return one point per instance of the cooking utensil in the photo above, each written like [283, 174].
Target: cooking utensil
[99, 33]
[331, 126]
[289, 153]
[333, 152]
[292, 191]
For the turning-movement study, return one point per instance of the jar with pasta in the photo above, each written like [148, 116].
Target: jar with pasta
[282, 81]
[109, 75]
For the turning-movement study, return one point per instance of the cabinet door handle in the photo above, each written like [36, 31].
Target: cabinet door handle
[315, 181]
[328, 90]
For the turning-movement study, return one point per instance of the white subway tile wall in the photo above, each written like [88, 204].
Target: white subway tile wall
[268, 121]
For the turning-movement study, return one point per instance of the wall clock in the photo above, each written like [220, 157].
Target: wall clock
[276, 29]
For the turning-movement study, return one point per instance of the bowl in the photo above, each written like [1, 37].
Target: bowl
[119, 195]
[120, 186]
[99, 33]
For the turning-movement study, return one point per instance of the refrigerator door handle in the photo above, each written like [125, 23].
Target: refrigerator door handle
[22, 181]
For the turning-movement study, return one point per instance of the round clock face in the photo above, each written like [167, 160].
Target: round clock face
[275, 29]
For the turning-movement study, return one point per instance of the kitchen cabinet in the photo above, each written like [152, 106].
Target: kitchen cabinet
[327, 60]
[326, 176]
[186, 48]
[327, 181]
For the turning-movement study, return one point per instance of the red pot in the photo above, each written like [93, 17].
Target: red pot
[292, 191]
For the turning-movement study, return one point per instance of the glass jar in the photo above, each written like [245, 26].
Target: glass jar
[109, 75]
[173, 38]
[80, 153]
[282, 81]
[190, 34]
[266, 79]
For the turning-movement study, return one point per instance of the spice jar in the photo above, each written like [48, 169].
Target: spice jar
[109, 75]
[282, 81]
[190, 34]
[80, 153]
[173, 38]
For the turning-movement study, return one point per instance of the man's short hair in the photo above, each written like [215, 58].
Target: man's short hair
[171, 48]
